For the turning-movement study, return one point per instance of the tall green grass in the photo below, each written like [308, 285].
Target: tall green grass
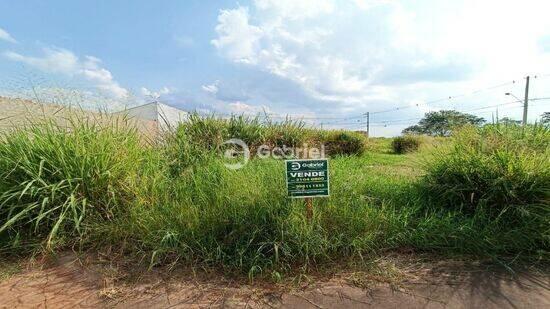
[495, 167]
[176, 201]
[202, 137]
[242, 220]
[496, 178]
[344, 143]
[58, 182]
[406, 143]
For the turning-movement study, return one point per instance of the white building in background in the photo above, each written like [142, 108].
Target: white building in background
[166, 117]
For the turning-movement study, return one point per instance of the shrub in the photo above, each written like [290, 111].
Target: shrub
[345, 143]
[406, 143]
[500, 170]
[203, 137]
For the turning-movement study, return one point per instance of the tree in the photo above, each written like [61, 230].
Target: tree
[545, 118]
[442, 123]
[509, 121]
[415, 129]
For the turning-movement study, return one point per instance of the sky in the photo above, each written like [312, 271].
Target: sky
[326, 62]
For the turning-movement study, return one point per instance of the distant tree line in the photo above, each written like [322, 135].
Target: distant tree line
[442, 123]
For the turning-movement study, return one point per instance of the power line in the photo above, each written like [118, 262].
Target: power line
[339, 120]
[445, 98]
[473, 109]
[540, 99]
[278, 115]
[398, 121]
[345, 121]
[452, 97]
[491, 106]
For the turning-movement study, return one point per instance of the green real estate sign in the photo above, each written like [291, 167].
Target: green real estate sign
[307, 178]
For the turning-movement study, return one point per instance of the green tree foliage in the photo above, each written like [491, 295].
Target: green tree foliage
[545, 118]
[509, 121]
[442, 123]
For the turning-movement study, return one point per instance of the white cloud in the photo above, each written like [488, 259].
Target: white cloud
[294, 53]
[62, 61]
[4, 35]
[368, 4]
[102, 78]
[243, 108]
[54, 61]
[212, 88]
[156, 94]
[237, 39]
[295, 10]
[360, 55]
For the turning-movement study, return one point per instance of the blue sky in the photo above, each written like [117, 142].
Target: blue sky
[327, 61]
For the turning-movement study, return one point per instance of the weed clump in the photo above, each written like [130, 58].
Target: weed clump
[345, 143]
[201, 138]
[55, 182]
[406, 144]
[500, 170]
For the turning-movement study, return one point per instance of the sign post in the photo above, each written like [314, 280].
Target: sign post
[309, 208]
[307, 178]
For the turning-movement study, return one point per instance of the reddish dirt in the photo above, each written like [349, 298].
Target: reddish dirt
[68, 282]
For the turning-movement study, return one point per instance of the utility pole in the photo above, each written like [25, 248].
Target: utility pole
[525, 103]
[368, 124]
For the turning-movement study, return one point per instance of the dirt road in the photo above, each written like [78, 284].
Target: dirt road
[67, 283]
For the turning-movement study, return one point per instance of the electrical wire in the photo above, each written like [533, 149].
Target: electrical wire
[451, 97]
[405, 121]
[341, 121]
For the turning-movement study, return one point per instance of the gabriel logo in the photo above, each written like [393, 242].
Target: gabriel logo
[295, 166]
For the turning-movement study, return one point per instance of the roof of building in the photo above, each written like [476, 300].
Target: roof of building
[165, 115]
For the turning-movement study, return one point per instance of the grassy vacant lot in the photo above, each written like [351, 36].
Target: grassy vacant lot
[483, 193]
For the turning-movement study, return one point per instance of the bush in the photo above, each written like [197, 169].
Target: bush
[202, 137]
[406, 143]
[500, 170]
[344, 143]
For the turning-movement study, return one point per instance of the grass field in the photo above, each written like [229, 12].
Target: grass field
[483, 193]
